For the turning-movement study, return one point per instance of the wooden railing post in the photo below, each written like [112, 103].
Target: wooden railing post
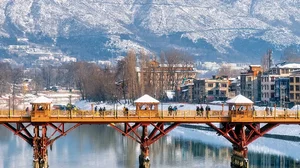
[275, 111]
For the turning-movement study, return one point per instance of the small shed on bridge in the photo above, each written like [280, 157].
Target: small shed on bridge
[146, 106]
[240, 105]
[41, 106]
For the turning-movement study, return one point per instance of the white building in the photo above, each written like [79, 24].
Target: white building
[268, 79]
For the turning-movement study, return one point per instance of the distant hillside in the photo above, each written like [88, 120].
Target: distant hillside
[219, 30]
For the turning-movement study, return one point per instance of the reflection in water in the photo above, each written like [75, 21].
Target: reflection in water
[101, 146]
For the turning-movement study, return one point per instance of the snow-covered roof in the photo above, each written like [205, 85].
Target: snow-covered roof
[146, 99]
[255, 65]
[170, 94]
[42, 99]
[184, 90]
[240, 99]
[289, 65]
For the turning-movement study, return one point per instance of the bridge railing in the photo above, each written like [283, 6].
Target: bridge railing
[133, 113]
[278, 113]
[14, 113]
[180, 113]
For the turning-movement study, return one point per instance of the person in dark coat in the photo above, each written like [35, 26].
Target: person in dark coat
[198, 111]
[201, 110]
[207, 109]
[170, 110]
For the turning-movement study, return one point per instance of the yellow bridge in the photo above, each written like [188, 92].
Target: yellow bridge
[182, 116]
[238, 122]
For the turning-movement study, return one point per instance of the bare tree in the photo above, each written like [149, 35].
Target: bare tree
[174, 60]
[126, 76]
[5, 73]
[131, 75]
[16, 81]
[143, 63]
[266, 61]
[229, 71]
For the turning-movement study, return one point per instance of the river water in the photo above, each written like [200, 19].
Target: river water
[97, 146]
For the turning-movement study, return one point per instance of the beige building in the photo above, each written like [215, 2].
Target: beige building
[295, 87]
[251, 83]
[158, 78]
[207, 90]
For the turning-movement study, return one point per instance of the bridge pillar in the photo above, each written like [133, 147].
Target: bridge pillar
[147, 138]
[40, 152]
[39, 140]
[239, 157]
[144, 159]
[241, 135]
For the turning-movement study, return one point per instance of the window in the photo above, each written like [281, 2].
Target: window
[272, 87]
[224, 85]
[291, 96]
[223, 93]
[292, 79]
[297, 87]
[210, 92]
[272, 79]
[272, 95]
[297, 96]
[249, 79]
[297, 79]
[210, 85]
[292, 88]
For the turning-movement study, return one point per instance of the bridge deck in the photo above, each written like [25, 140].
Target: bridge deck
[182, 116]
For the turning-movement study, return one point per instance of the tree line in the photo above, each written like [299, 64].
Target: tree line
[112, 82]
[109, 82]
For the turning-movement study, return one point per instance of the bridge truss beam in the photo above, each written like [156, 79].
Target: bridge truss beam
[38, 138]
[241, 135]
[145, 138]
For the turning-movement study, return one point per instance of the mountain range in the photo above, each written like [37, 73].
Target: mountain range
[214, 30]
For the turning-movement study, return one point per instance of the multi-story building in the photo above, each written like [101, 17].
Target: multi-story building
[157, 78]
[234, 87]
[206, 90]
[295, 87]
[251, 83]
[268, 88]
[186, 91]
[282, 91]
[282, 70]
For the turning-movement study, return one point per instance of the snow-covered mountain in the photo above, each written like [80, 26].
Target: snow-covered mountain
[214, 29]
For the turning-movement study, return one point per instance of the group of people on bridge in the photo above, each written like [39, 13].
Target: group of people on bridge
[200, 110]
[101, 110]
[269, 110]
[172, 110]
